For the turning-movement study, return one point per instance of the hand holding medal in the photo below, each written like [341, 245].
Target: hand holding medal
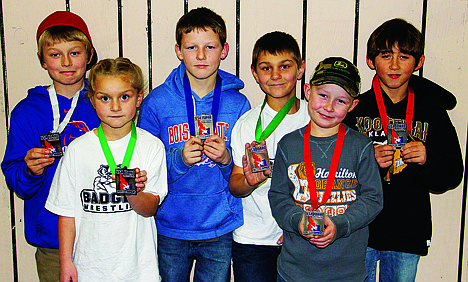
[320, 241]
[37, 159]
[254, 178]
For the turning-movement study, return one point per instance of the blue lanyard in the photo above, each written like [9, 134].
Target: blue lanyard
[190, 105]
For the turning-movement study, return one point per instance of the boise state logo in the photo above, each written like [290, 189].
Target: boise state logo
[73, 130]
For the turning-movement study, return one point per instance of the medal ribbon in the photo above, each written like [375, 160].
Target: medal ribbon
[383, 111]
[259, 135]
[58, 128]
[108, 153]
[190, 104]
[333, 166]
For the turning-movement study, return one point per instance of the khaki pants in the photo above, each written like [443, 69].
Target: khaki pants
[48, 264]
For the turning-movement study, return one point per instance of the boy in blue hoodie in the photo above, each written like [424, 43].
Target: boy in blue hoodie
[66, 51]
[196, 220]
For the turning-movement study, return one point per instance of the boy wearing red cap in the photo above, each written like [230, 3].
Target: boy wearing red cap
[44, 123]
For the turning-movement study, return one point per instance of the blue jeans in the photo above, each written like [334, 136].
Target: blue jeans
[213, 259]
[394, 266]
[254, 263]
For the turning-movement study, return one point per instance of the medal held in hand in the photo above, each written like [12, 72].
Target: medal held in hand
[396, 134]
[125, 181]
[314, 223]
[51, 142]
[203, 126]
[258, 158]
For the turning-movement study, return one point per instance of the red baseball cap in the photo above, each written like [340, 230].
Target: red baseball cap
[68, 19]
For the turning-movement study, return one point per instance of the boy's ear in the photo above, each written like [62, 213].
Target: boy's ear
[90, 57]
[353, 105]
[307, 91]
[420, 63]
[225, 51]
[43, 65]
[370, 64]
[300, 70]
[254, 73]
[178, 52]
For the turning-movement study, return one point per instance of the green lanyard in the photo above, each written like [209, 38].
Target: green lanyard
[259, 135]
[108, 153]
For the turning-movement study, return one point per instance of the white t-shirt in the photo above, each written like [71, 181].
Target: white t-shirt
[112, 241]
[260, 228]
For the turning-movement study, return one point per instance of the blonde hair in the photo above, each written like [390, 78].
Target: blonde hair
[62, 33]
[116, 67]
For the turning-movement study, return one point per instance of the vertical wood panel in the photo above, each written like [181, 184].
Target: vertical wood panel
[102, 20]
[330, 32]
[165, 17]
[446, 61]
[135, 39]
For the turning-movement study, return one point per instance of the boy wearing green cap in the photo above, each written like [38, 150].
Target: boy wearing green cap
[322, 198]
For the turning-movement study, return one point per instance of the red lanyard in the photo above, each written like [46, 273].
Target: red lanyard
[333, 166]
[383, 112]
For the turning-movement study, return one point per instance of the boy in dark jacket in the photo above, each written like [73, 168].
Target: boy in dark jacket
[416, 147]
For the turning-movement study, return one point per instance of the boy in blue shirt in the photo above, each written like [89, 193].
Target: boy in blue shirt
[196, 220]
[66, 51]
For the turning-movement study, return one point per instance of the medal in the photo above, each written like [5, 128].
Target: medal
[200, 124]
[125, 181]
[124, 178]
[51, 142]
[258, 155]
[314, 223]
[258, 158]
[203, 126]
[396, 133]
[311, 177]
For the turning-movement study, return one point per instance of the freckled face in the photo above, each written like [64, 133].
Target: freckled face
[66, 62]
[328, 105]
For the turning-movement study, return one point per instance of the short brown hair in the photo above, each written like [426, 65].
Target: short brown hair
[116, 67]
[396, 33]
[201, 19]
[276, 42]
[62, 33]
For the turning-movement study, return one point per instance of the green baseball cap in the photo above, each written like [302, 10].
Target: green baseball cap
[339, 71]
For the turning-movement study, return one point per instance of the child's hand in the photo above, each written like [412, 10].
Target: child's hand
[384, 155]
[37, 159]
[328, 235]
[140, 179]
[414, 152]
[320, 241]
[253, 178]
[214, 148]
[192, 151]
[68, 272]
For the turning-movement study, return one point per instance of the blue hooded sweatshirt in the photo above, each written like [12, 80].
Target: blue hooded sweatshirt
[30, 118]
[199, 205]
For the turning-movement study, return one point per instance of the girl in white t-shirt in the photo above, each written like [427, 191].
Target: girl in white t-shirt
[104, 234]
